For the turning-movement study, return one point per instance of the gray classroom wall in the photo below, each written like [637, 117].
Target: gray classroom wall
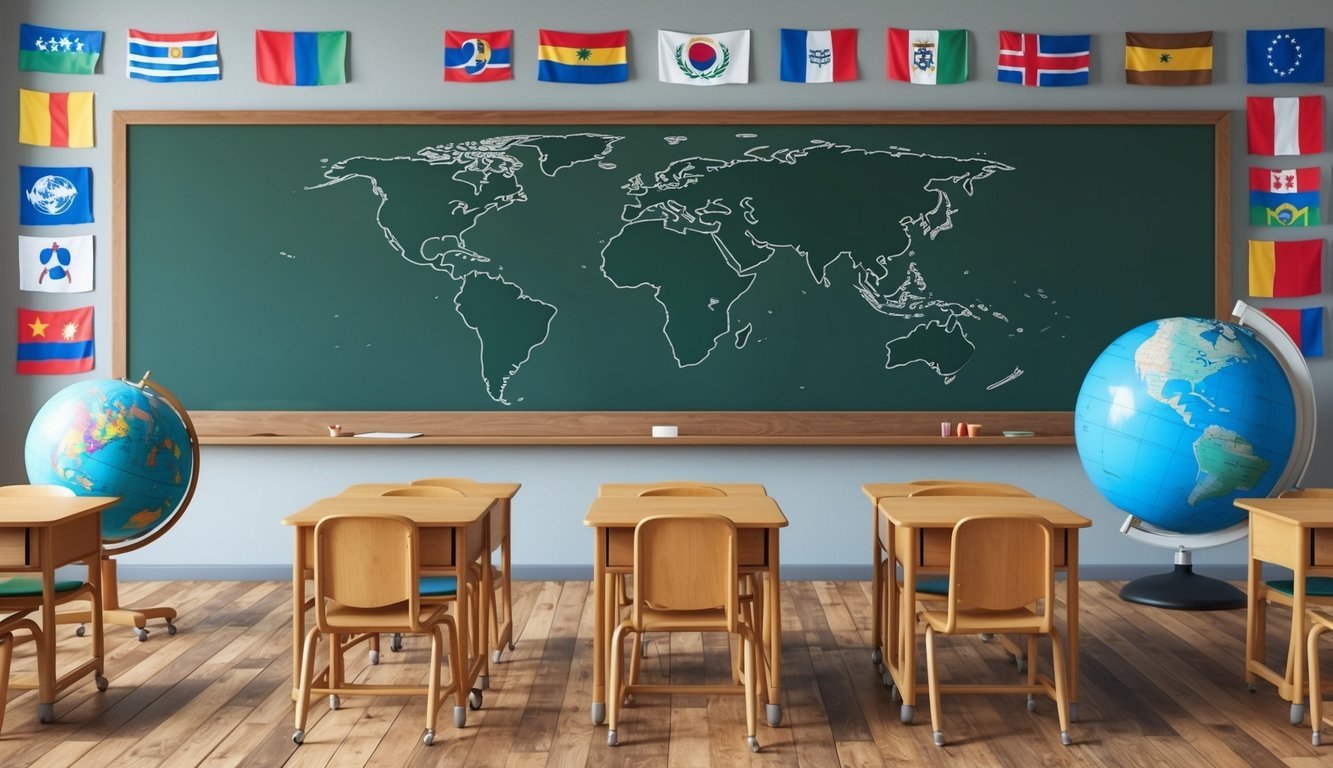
[231, 529]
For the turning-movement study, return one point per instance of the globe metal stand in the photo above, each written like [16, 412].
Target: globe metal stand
[1183, 590]
[112, 611]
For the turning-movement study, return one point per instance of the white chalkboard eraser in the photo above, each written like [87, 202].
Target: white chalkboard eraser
[666, 431]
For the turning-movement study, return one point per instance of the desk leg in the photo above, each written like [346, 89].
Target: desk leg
[773, 624]
[1296, 648]
[1071, 622]
[46, 657]
[298, 609]
[599, 627]
[877, 591]
[485, 597]
[505, 634]
[890, 641]
[907, 635]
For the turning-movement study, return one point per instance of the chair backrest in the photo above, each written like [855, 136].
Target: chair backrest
[35, 490]
[1001, 562]
[445, 482]
[969, 489]
[422, 490]
[686, 562]
[366, 561]
[1307, 493]
[683, 490]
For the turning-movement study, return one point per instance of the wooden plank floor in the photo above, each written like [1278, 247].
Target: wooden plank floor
[1158, 688]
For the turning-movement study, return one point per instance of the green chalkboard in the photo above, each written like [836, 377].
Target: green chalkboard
[607, 262]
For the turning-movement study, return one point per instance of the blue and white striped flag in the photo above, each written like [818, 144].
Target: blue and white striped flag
[173, 58]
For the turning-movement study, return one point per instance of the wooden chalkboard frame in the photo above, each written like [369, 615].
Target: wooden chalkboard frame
[628, 428]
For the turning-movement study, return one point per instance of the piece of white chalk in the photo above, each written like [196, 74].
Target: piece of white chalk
[665, 431]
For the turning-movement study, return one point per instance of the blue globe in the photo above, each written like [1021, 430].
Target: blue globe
[108, 437]
[1179, 417]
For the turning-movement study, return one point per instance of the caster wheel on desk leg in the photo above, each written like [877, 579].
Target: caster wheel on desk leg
[598, 712]
[460, 717]
[428, 737]
[46, 713]
[140, 633]
[611, 739]
[374, 658]
[754, 743]
[877, 657]
[474, 699]
[80, 631]
[1032, 703]
[334, 701]
[171, 628]
[939, 738]
[774, 714]
[907, 713]
[101, 682]
[1297, 713]
[396, 643]
[298, 737]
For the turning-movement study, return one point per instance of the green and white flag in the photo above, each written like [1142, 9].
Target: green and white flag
[719, 58]
[928, 56]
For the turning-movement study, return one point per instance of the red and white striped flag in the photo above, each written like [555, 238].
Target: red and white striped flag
[1285, 126]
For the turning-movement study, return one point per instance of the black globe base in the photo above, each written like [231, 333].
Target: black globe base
[1183, 590]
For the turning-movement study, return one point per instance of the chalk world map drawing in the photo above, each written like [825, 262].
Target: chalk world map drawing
[697, 236]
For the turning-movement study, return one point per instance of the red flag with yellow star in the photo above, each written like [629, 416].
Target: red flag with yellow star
[55, 341]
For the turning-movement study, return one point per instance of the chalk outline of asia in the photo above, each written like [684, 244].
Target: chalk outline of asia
[480, 162]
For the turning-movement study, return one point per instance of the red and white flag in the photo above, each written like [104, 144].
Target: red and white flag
[1285, 126]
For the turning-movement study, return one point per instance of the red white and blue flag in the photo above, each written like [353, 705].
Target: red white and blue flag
[478, 57]
[1044, 60]
[818, 55]
[55, 341]
[170, 57]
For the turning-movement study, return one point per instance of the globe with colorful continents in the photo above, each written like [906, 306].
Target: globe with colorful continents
[110, 437]
[1179, 417]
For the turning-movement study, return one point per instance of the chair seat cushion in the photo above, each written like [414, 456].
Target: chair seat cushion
[23, 586]
[438, 586]
[1315, 586]
[932, 585]
[1018, 621]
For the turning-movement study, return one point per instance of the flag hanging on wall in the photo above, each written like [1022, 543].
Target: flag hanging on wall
[478, 57]
[1044, 60]
[575, 57]
[1304, 326]
[718, 58]
[1153, 58]
[56, 265]
[183, 57]
[1286, 268]
[56, 119]
[818, 55]
[928, 56]
[1284, 197]
[54, 195]
[1285, 126]
[55, 341]
[300, 58]
[1284, 55]
[65, 51]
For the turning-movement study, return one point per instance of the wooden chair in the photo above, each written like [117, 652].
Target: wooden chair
[503, 589]
[20, 596]
[686, 579]
[1318, 592]
[1001, 568]
[1319, 624]
[366, 571]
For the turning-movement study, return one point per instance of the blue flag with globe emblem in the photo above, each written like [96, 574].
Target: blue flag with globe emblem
[49, 195]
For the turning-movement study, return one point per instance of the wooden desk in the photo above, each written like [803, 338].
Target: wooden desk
[500, 529]
[879, 556]
[758, 520]
[39, 534]
[918, 531]
[454, 534]
[634, 489]
[1295, 533]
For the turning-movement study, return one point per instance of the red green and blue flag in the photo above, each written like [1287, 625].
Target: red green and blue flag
[1284, 197]
[301, 58]
[55, 341]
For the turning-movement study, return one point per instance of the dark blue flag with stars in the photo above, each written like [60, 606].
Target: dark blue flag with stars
[1284, 55]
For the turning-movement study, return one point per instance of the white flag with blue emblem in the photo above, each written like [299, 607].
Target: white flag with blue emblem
[56, 264]
[719, 58]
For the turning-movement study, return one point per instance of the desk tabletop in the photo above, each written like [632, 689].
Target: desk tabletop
[877, 491]
[1304, 512]
[422, 510]
[744, 511]
[634, 489]
[35, 511]
[945, 511]
[470, 488]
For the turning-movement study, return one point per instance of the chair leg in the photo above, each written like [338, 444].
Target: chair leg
[751, 692]
[635, 658]
[307, 678]
[1061, 678]
[6, 653]
[1316, 692]
[457, 671]
[433, 684]
[616, 690]
[932, 681]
